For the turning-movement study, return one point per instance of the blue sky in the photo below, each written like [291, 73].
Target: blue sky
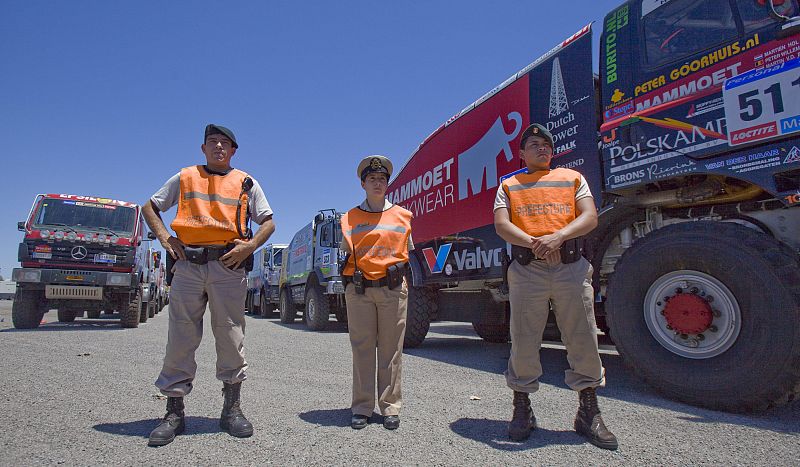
[110, 99]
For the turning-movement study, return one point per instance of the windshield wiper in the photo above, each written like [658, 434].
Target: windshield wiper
[68, 227]
[108, 230]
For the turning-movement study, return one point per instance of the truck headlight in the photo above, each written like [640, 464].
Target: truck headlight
[27, 275]
[119, 279]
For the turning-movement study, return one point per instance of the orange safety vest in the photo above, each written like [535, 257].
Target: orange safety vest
[207, 207]
[378, 239]
[544, 201]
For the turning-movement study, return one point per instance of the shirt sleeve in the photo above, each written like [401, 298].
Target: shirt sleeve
[501, 200]
[582, 192]
[258, 205]
[169, 194]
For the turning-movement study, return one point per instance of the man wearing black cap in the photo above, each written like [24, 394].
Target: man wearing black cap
[212, 246]
[543, 214]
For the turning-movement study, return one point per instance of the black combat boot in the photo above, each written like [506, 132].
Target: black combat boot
[589, 423]
[232, 419]
[172, 424]
[523, 420]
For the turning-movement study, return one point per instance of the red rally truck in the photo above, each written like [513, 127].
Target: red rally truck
[82, 253]
[689, 137]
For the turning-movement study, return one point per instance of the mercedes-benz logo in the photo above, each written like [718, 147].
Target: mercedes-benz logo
[79, 252]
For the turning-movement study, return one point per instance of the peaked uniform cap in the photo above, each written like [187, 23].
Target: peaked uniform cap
[212, 129]
[376, 163]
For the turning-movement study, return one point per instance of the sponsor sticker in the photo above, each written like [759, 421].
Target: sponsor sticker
[763, 103]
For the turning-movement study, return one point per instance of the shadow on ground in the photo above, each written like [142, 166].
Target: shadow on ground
[142, 428]
[329, 417]
[494, 433]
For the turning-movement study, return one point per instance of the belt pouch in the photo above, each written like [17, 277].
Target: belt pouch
[169, 266]
[394, 275]
[248, 264]
[196, 255]
[571, 250]
[521, 254]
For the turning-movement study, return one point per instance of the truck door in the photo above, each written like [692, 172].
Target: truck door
[663, 70]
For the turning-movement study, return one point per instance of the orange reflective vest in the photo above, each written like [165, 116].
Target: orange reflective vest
[544, 201]
[378, 239]
[207, 207]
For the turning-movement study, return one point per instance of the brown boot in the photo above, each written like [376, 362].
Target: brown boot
[523, 420]
[589, 423]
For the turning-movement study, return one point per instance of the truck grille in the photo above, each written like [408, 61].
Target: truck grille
[62, 252]
[73, 292]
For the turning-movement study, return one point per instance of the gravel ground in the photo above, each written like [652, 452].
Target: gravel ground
[83, 394]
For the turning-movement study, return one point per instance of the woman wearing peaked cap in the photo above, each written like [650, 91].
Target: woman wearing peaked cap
[377, 236]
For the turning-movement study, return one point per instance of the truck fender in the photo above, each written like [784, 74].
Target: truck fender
[416, 270]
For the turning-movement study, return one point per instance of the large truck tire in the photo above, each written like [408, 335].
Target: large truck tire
[67, 315]
[287, 309]
[151, 309]
[708, 313]
[340, 312]
[267, 310]
[28, 309]
[494, 325]
[421, 310]
[318, 309]
[144, 312]
[130, 310]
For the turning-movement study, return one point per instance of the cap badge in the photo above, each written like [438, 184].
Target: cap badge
[535, 130]
[375, 164]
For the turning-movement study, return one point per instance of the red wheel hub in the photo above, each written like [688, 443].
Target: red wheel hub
[688, 313]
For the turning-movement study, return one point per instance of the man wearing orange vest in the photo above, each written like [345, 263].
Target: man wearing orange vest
[542, 214]
[211, 247]
[377, 236]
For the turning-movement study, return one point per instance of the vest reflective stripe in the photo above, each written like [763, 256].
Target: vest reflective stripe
[379, 239]
[542, 202]
[367, 228]
[207, 207]
[207, 197]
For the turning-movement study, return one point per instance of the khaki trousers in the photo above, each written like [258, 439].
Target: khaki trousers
[377, 321]
[193, 287]
[568, 288]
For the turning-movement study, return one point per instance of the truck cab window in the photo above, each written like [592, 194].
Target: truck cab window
[755, 13]
[278, 258]
[681, 28]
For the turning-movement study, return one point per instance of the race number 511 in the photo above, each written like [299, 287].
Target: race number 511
[763, 104]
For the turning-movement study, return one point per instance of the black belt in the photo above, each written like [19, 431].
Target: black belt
[382, 282]
[204, 254]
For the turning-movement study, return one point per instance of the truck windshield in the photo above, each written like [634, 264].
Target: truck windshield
[680, 28]
[86, 215]
[277, 258]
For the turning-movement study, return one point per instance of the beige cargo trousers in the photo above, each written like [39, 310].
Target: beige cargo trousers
[193, 287]
[568, 288]
[376, 322]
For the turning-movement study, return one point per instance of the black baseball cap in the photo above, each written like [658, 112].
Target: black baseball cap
[212, 129]
[535, 129]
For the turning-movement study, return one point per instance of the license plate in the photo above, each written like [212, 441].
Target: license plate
[105, 258]
[42, 255]
[74, 278]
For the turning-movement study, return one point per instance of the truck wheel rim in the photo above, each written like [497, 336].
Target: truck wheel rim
[707, 293]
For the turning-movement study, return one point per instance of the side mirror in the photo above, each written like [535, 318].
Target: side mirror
[319, 218]
[21, 225]
[151, 236]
